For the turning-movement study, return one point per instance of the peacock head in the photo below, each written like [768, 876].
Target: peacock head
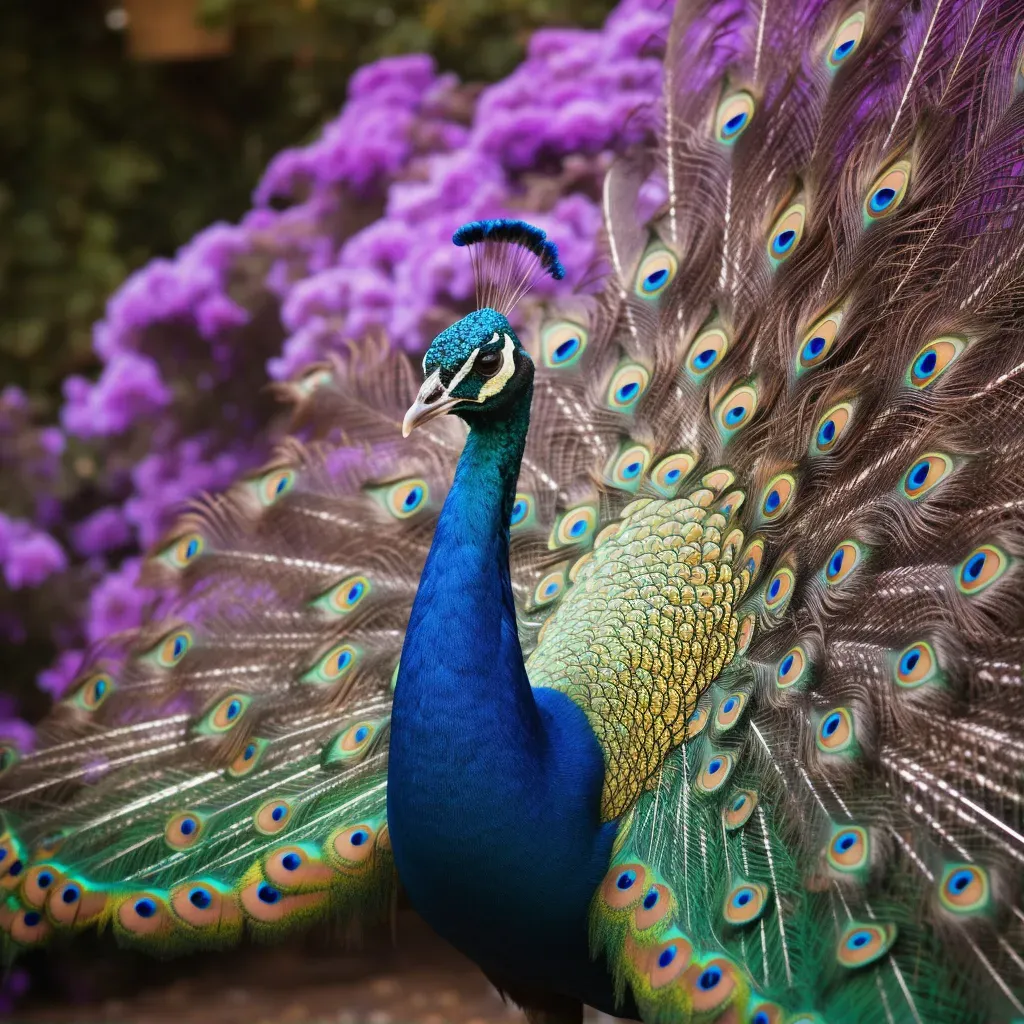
[477, 368]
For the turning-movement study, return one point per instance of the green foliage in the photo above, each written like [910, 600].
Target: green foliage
[106, 162]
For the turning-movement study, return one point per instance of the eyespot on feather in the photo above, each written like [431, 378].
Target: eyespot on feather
[37, 883]
[785, 234]
[887, 192]
[739, 808]
[752, 557]
[735, 411]
[624, 886]
[575, 526]
[844, 41]
[842, 562]
[732, 503]
[297, 869]
[272, 817]
[169, 651]
[626, 469]
[75, 903]
[143, 913]
[345, 596]
[550, 588]
[29, 927]
[745, 633]
[657, 269]
[778, 495]
[767, 1013]
[248, 760]
[202, 904]
[718, 479]
[863, 944]
[729, 711]
[653, 908]
[350, 745]
[744, 903]
[835, 732]
[92, 693]
[183, 551]
[671, 471]
[981, 568]
[273, 486]
[351, 847]
[932, 361]
[697, 721]
[183, 830]
[733, 116]
[335, 664]
[848, 849]
[406, 498]
[263, 903]
[831, 428]
[916, 665]
[715, 773]
[707, 350]
[626, 387]
[964, 889]
[667, 961]
[779, 591]
[224, 715]
[815, 346]
[792, 668]
[522, 512]
[562, 344]
[711, 984]
[927, 472]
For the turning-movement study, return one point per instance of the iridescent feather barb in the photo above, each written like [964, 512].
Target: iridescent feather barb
[508, 256]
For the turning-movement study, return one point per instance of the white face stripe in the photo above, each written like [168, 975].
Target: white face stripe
[508, 366]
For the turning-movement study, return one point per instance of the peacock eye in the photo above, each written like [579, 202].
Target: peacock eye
[488, 363]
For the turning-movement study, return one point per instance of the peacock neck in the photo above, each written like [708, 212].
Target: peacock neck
[462, 633]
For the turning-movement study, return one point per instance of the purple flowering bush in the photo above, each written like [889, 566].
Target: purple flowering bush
[348, 236]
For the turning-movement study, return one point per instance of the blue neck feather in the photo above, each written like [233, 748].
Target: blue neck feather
[493, 787]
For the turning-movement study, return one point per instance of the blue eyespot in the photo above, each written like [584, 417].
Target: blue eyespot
[835, 564]
[15, 869]
[734, 125]
[70, 894]
[843, 50]
[772, 502]
[909, 661]
[249, 753]
[846, 841]
[774, 588]
[32, 918]
[279, 812]
[668, 954]
[672, 476]
[787, 664]
[343, 660]
[826, 433]
[44, 879]
[361, 733]
[831, 723]
[200, 898]
[359, 837]
[99, 688]
[653, 281]
[413, 498]
[710, 978]
[627, 392]
[735, 415]
[192, 548]
[566, 350]
[626, 880]
[881, 199]
[728, 706]
[232, 710]
[578, 528]
[972, 570]
[760, 1018]
[518, 512]
[742, 898]
[650, 899]
[925, 364]
[783, 242]
[180, 646]
[814, 347]
[268, 894]
[739, 803]
[291, 862]
[551, 588]
[145, 908]
[702, 360]
[858, 939]
[714, 766]
[632, 470]
[960, 880]
[187, 826]
[355, 592]
[282, 485]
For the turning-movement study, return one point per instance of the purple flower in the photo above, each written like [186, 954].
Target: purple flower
[117, 603]
[28, 555]
[56, 679]
[130, 386]
[105, 530]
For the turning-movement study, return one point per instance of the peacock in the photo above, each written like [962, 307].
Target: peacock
[663, 642]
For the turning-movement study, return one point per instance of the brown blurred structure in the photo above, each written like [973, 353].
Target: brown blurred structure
[172, 30]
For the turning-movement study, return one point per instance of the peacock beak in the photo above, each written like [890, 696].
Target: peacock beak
[432, 401]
